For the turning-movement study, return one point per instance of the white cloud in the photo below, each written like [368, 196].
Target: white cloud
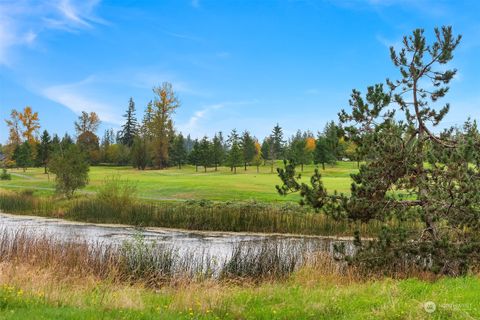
[21, 21]
[77, 97]
[193, 125]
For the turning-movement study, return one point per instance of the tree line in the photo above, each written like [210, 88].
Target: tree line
[153, 142]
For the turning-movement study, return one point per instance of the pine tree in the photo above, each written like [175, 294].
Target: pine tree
[235, 153]
[323, 153]
[248, 147]
[23, 155]
[45, 149]
[194, 156]
[179, 151]
[130, 128]
[277, 145]
[218, 150]
[205, 153]
[411, 173]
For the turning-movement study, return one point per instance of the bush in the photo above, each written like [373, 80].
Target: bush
[5, 175]
[118, 193]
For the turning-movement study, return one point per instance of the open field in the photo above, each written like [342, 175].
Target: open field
[175, 184]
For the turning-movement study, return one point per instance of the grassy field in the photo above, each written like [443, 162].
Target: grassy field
[175, 184]
[39, 294]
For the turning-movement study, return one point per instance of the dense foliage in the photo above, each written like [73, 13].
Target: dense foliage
[410, 172]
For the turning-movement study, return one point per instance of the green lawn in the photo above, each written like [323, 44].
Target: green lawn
[174, 184]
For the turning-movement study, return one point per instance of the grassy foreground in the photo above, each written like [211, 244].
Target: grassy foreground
[27, 293]
[175, 184]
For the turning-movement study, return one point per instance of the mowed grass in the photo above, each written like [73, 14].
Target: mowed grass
[186, 183]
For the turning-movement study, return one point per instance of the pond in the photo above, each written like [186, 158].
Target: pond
[196, 245]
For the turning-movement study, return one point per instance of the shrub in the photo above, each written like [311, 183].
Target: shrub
[5, 175]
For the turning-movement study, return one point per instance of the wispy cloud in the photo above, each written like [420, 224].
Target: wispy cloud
[22, 21]
[76, 97]
[193, 126]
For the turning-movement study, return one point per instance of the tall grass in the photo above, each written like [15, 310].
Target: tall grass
[150, 263]
[193, 215]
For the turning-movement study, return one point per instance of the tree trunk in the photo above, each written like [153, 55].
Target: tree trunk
[245, 166]
[205, 167]
[271, 169]
[216, 166]
[234, 169]
[196, 168]
[323, 166]
[302, 167]
[45, 167]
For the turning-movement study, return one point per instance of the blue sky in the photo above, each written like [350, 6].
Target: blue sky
[234, 64]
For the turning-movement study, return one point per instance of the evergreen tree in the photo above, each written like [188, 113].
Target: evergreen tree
[23, 155]
[45, 149]
[194, 156]
[179, 152]
[235, 153]
[218, 150]
[266, 149]
[277, 145]
[437, 172]
[129, 129]
[205, 153]
[248, 147]
[323, 153]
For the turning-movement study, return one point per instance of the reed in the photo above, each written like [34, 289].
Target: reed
[193, 215]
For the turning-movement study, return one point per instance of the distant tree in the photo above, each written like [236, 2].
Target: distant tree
[323, 154]
[179, 151]
[205, 153]
[45, 149]
[195, 157]
[86, 127]
[257, 159]
[130, 128]
[23, 155]
[66, 141]
[218, 150]
[15, 133]
[277, 145]
[332, 135]
[89, 144]
[298, 150]
[147, 120]
[235, 153]
[248, 148]
[30, 123]
[266, 149]
[70, 167]
[188, 144]
[160, 124]
[140, 153]
[87, 122]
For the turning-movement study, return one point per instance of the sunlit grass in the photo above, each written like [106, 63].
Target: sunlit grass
[175, 184]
